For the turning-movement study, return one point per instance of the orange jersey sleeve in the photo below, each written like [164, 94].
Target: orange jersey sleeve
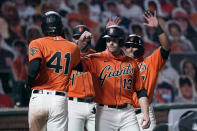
[58, 57]
[137, 79]
[156, 60]
[149, 70]
[35, 50]
[80, 84]
[114, 80]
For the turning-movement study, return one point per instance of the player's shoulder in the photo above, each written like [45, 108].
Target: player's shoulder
[36, 42]
[72, 47]
[71, 44]
[40, 39]
[155, 53]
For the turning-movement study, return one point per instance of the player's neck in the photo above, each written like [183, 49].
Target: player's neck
[118, 53]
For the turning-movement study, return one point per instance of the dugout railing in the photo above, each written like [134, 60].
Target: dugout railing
[17, 119]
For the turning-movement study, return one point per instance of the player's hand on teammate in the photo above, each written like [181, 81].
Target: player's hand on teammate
[151, 18]
[116, 21]
[145, 121]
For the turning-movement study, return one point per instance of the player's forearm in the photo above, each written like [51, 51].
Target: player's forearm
[84, 40]
[143, 101]
[163, 38]
[164, 41]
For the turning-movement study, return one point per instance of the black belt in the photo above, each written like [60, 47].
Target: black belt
[86, 100]
[56, 92]
[116, 106]
[138, 111]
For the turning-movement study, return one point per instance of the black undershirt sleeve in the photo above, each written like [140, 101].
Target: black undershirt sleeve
[164, 53]
[79, 67]
[142, 93]
[101, 43]
[33, 70]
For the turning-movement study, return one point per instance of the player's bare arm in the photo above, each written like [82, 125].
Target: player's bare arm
[82, 42]
[145, 121]
[152, 21]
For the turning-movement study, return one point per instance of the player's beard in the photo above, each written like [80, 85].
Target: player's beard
[114, 50]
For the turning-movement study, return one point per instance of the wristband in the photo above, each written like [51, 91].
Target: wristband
[159, 30]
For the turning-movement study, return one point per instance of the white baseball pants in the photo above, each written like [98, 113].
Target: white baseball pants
[112, 119]
[47, 110]
[81, 115]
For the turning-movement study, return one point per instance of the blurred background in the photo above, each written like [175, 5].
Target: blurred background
[20, 22]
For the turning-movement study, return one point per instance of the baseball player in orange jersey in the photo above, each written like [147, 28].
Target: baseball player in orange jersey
[51, 61]
[81, 106]
[115, 78]
[149, 66]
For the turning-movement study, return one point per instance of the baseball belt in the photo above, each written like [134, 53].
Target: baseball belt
[138, 111]
[85, 99]
[49, 92]
[116, 106]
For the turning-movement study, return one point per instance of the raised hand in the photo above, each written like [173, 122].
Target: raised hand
[151, 19]
[116, 21]
[84, 38]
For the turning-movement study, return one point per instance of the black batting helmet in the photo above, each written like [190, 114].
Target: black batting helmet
[78, 31]
[137, 42]
[51, 24]
[115, 31]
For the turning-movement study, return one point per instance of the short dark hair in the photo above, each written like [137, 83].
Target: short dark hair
[175, 25]
[185, 80]
[165, 85]
[134, 27]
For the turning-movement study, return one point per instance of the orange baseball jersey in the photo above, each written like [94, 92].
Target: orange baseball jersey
[58, 56]
[114, 78]
[149, 70]
[80, 84]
